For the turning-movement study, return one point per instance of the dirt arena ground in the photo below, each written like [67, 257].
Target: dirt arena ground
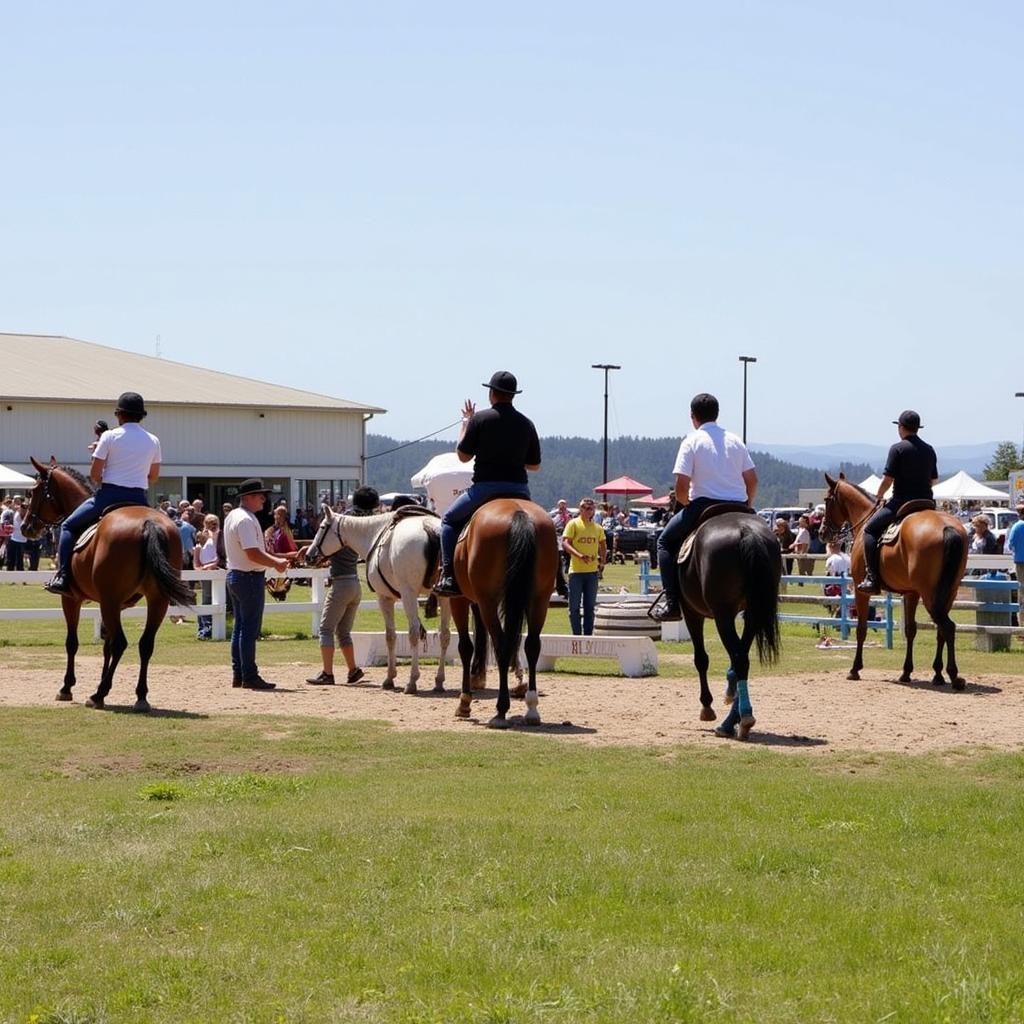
[812, 713]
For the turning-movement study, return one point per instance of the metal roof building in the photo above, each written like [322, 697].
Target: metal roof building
[215, 428]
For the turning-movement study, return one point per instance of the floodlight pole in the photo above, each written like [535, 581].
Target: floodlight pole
[1020, 394]
[606, 367]
[745, 360]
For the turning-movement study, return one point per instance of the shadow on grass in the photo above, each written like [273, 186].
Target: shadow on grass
[127, 709]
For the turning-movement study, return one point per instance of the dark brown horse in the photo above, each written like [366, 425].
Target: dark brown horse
[925, 564]
[505, 564]
[734, 565]
[135, 553]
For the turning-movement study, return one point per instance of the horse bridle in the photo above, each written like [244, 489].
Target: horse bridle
[842, 534]
[321, 533]
[47, 497]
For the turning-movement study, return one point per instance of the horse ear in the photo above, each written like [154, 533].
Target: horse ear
[53, 462]
[831, 483]
[40, 468]
[842, 476]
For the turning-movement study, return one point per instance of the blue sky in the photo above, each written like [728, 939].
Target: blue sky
[387, 202]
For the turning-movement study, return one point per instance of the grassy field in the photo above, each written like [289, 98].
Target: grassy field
[190, 869]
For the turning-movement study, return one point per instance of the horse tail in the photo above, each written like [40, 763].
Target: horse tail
[519, 572]
[949, 576]
[168, 579]
[759, 562]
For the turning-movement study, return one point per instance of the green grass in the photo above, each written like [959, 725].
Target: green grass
[187, 870]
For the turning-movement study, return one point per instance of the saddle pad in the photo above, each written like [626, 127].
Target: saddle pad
[892, 533]
[83, 541]
[684, 551]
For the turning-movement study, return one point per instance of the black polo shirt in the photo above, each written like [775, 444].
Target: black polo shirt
[912, 465]
[504, 442]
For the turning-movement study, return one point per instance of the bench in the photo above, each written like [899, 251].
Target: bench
[637, 656]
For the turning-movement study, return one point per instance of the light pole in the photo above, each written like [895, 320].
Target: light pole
[745, 360]
[1020, 394]
[606, 367]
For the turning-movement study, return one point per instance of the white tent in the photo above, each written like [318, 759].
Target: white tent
[10, 478]
[871, 485]
[444, 478]
[963, 487]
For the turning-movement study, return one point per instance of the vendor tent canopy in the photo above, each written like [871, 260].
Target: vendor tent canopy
[623, 485]
[10, 478]
[963, 487]
[871, 485]
[651, 502]
[439, 465]
[444, 478]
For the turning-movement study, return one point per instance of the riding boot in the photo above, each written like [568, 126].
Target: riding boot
[60, 584]
[872, 573]
[447, 586]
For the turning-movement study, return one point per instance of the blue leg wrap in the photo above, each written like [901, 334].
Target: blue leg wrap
[730, 676]
[743, 698]
[731, 720]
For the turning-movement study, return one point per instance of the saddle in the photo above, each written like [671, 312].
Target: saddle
[493, 497]
[411, 512]
[89, 532]
[711, 512]
[892, 531]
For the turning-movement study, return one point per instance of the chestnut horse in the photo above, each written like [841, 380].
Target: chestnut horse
[505, 564]
[135, 553]
[734, 565]
[926, 563]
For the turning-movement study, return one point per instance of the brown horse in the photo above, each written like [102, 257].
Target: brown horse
[135, 553]
[925, 564]
[505, 564]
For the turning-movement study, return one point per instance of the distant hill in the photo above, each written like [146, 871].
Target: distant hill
[572, 467]
[972, 458]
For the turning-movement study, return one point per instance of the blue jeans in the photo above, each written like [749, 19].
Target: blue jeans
[670, 540]
[582, 590]
[874, 528]
[248, 595]
[463, 507]
[89, 512]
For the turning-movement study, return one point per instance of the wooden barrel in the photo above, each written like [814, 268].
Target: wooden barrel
[625, 618]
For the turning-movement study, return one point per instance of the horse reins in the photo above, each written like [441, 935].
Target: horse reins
[47, 497]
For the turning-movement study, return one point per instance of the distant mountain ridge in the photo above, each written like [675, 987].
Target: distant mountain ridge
[972, 458]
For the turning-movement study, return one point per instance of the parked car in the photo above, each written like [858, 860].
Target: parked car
[791, 513]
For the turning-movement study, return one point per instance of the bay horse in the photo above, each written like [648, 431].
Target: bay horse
[505, 564]
[925, 564]
[135, 553]
[734, 565]
[401, 550]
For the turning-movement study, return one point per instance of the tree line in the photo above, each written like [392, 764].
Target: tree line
[572, 467]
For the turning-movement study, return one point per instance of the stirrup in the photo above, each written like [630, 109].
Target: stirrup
[60, 584]
[447, 587]
[666, 608]
[869, 585]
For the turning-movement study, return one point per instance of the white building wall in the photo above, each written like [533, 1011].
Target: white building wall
[196, 440]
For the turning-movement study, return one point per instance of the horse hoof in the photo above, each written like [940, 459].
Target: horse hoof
[387, 685]
[905, 678]
[95, 702]
[409, 688]
[497, 722]
[959, 683]
[747, 722]
[726, 732]
[707, 714]
[518, 691]
[462, 711]
[142, 706]
[728, 697]
[853, 675]
[63, 695]
[439, 687]
[532, 717]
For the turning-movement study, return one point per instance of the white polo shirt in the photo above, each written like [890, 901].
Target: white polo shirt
[241, 531]
[128, 452]
[715, 462]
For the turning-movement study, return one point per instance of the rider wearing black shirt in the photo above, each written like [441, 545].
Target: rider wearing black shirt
[505, 445]
[910, 469]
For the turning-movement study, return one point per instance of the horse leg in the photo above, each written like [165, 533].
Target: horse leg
[695, 624]
[531, 649]
[387, 608]
[444, 637]
[417, 635]
[155, 611]
[460, 613]
[910, 629]
[489, 616]
[862, 600]
[115, 644]
[742, 712]
[946, 631]
[72, 613]
[479, 669]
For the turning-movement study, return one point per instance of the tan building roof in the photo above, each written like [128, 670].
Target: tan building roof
[44, 367]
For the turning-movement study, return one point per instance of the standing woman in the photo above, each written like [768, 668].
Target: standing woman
[279, 536]
[207, 556]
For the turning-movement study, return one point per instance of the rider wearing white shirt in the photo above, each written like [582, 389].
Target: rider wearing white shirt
[125, 461]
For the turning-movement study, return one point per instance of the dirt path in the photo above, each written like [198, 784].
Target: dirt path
[814, 713]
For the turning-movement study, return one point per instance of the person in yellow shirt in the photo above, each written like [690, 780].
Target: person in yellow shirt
[584, 541]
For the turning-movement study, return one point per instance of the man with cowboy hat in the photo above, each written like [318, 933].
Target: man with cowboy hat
[506, 446]
[910, 470]
[125, 461]
[247, 561]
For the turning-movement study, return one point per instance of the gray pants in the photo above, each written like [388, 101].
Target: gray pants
[340, 611]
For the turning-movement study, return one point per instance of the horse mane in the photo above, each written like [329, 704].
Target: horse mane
[857, 487]
[79, 478]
